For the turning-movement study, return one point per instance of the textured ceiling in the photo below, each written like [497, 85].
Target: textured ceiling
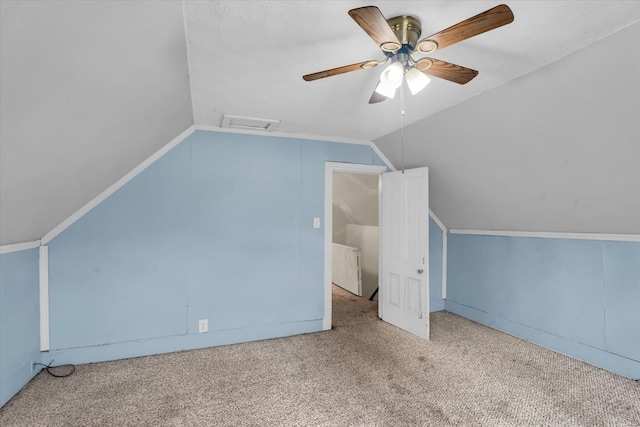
[91, 89]
[248, 58]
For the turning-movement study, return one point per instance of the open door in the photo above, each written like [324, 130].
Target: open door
[403, 298]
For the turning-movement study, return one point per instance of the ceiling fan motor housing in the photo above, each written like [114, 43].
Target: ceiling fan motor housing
[407, 29]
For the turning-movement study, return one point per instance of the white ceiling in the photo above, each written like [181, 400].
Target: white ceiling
[557, 150]
[91, 89]
[258, 52]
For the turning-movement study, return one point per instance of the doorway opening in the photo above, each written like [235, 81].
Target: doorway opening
[352, 200]
[355, 233]
[355, 248]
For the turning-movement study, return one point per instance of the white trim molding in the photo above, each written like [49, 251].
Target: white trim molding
[444, 264]
[438, 222]
[380, 154]
[44, 298]
[552, 235]
[115, 187]
[292, 135]
[16, 247]
[355, 168]
[158, 154]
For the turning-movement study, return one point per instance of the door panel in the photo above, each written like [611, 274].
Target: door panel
[394, 290]
[404, 286]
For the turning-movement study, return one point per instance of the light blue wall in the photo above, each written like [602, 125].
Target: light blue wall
[19, 320]
[436, 303]
[220, 228]
[578, 297]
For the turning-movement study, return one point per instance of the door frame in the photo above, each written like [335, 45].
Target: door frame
[329, 169]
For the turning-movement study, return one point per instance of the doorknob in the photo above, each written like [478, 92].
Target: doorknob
[420, 271]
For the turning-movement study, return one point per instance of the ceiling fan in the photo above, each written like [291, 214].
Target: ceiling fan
[398, 39]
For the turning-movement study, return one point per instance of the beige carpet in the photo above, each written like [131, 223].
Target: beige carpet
[362, 373]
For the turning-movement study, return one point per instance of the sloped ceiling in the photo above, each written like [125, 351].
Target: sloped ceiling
[88, 91]
[557, 150]
[355, 201]
[91, 89]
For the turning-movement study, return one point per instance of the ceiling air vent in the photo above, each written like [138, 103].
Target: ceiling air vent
[249, 123]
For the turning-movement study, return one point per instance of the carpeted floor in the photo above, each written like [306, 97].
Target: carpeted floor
[362, 373]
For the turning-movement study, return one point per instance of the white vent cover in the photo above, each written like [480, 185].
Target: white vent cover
[249, 123]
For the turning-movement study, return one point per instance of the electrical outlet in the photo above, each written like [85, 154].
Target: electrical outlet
[203, 326]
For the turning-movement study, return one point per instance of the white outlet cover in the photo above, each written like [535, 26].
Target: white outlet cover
[203, 326]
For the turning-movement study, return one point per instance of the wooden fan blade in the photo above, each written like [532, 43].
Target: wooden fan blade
[340, 70]
[485, 21]
[376, 97]
[375, 25]
[448, 71]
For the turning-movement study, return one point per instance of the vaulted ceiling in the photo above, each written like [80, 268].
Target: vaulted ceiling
[91, 89]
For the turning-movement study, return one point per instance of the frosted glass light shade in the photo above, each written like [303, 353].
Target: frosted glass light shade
[385, 89]
[392, 75]
[416, 80]
[390, 80]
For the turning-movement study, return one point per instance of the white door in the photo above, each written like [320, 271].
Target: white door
[404, 278]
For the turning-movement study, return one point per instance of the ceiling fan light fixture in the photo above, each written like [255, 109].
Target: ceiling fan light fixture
[369, 64]
[427, 46]
[416, 80]
[385, 89]
[390, 46]
[392, 75]
[424, 64]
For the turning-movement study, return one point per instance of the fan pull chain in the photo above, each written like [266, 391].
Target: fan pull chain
[402, 126]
